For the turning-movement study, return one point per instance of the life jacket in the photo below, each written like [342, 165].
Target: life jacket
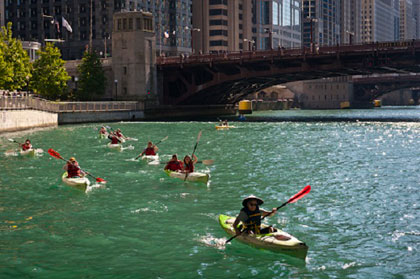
[150, 151]
[253, 223]
[174, 165]
[118, 134]
[189, 167]
[114, 140]
[103, 132]
[73, 171]
[26, 147]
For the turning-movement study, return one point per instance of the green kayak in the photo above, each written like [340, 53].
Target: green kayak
[278, 241]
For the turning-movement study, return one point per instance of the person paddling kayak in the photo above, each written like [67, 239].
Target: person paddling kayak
[27, 145]
[189, 164]
[103, 131]
[73, 169]
[119, 134]
[114, 138]
[150, 150]
[174, 164]
[250, 216]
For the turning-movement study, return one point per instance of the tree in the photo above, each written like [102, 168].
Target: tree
[49, 76]
[6, 73]
[16, 60]
[92, 77]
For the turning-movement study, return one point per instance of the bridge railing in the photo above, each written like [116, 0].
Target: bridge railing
[290, 52]
[18, 102]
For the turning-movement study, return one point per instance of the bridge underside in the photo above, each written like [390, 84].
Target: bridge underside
[225, 82]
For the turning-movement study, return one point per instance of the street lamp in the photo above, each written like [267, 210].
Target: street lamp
[311, 19]
[270, 34]
[250, 42]
[192, 39]
[76, 79]
[116, 89]
[351, 34]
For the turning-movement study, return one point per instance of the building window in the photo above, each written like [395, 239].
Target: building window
[219, 22]
[138, 23]
[124, 24]
[218, 43]
[125, 70]
[213, 12]
[130, 24]
[218, 33]
[218, 2]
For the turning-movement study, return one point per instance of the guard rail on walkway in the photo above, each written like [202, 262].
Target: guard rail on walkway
[30, 102]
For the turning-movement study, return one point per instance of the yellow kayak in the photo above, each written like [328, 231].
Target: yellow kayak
[224, 127]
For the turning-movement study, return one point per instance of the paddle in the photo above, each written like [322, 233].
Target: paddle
[293, 199]
[204, 162]
[162, 140]
[57, 155]
[12, 140]
[192, 156]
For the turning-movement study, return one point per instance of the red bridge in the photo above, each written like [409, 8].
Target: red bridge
[227, 77]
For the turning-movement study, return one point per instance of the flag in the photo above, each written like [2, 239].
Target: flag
[67, 25]
[166, 34]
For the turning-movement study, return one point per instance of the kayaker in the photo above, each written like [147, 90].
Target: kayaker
[150, 150]
[72, 168]
[174, 164]
[119, 134]
[27, 145]
[189, 164]
[250, 216]
[114, 138]
[225, 123]
[103, 131]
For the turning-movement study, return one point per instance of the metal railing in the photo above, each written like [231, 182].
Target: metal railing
[283, 52]
[24, 101]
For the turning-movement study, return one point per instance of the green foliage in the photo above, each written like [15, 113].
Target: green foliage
[92, 77]
[49, 76]
[15, 68]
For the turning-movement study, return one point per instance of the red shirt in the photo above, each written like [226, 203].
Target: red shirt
[114, 140]
[174, 165]
[189, 167]
[150, 151]
[73, 170]
[26, 146]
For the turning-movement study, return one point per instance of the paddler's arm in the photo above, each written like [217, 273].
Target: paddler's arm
[141, 154]
[269, 213]
[235, 226]
[155, 148]
[195, 160]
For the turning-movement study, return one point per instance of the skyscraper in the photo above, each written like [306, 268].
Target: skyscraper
[36, 20]
[380, 20]
[2, 12]
[278, 24]
[407, 20]
[321, 22]
[350, 21]
[221, 25]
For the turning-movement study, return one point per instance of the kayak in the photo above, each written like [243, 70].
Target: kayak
[224, 127]
[150, 159]
[121, 140]
[192, 176]
[78, 182]
[103, 136]
[117, 146]
[278, 241]
[29, 152]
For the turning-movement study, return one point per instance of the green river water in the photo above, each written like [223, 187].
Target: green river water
[361, 219]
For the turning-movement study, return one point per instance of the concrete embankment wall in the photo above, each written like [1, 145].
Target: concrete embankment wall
[16, 120]
[103, 116]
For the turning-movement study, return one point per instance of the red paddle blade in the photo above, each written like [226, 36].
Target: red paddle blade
[100, 180]
[300, 195]
[54, 153]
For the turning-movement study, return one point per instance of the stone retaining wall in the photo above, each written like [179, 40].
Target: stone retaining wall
[16, 120]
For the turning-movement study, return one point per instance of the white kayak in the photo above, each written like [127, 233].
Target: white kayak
[122, 140]
[117, 146]
[150, 158]
[278, 241]
[103, 136]
[192, 176]
[29, 152]
[77, 182]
